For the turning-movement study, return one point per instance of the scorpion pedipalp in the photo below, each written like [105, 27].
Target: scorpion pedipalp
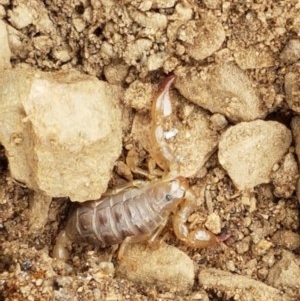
[161, 129]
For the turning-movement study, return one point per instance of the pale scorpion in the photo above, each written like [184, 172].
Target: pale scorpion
[140, 214]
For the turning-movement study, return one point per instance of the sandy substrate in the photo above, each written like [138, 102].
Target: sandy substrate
[236, 105]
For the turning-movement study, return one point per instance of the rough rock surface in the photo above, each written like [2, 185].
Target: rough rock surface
[200, 38]
[253, 57]
[221, 88]
[295, 125]
[61, 132]
[5, 50]
[166, 267]
[249, 150]
[288, 239]
[292, 89]
[239, 287]
[285, 273]
[285, 177]
[291, 52]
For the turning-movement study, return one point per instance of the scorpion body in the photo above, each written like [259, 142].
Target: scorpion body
[137, 214]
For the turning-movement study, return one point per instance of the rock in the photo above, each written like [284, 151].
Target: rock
[249, 150]
[285, 178]
[31, 13]
[152, 21]
[20, 16]
[291, 52]
[287, 239]
[38, 217]
[223, 89]
[5, 50]
[243, 246]
[212, 4]
[203, 37]
[261, 248]
[295, 126]
[218, 122]
[213, 223]
[156, 61]
[139, 95]
[292, 89]
[163, 3]
[237, 287]
[286, 272]
[116, 72]
[61, 131]
[167, 267]
[298, 191]
[136, 50]
[254, 57]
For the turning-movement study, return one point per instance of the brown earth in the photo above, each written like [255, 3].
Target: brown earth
[248, 51]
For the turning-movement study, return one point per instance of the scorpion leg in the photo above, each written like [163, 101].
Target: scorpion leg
[199, 238]
[120, 188]
[60, 250]
[151, 238]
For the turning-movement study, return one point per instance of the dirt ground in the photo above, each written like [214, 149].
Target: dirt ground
[135, 44]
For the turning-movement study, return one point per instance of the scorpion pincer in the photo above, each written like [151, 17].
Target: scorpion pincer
[139, 214]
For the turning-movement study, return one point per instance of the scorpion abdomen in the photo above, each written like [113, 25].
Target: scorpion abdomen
[109, 221]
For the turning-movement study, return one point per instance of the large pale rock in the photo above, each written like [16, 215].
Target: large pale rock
[61, 131]
[224, 89]
[249, 150]
[239, 287]
[4, 50]
[167, 267]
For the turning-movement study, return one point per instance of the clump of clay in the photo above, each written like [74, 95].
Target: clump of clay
[286, 272]
[295, 125]
[167, 267]
[253, 57]
[291, 51]
[139, 95]
[201, 38]
[239, 287]
[223, 89]
[249, 150]
[292, 89]
[285, 177]
[5, 50]
[61, 131]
